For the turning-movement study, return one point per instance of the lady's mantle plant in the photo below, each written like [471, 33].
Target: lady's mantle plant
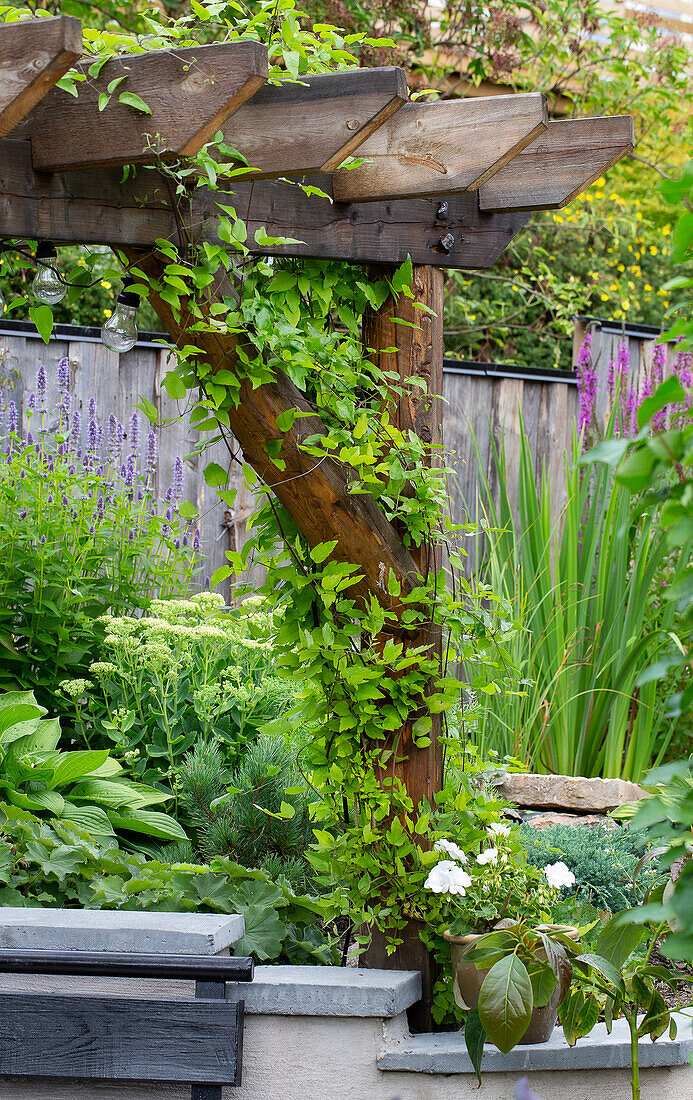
[81, 533]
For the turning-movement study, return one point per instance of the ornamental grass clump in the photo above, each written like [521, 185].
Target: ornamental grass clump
[82, 533]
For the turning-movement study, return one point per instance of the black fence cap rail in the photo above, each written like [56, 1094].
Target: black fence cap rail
[508, 370]
[126, 964]
[83, 333]
[621, 328]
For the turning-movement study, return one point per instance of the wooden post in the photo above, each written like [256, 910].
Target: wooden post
[418, 353]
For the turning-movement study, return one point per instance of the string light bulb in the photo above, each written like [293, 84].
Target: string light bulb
[119, 332]
[47, 286]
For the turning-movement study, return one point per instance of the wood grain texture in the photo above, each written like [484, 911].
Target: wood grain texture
[418, 354]
[34, 54]
[312, 126]
[95, 207]
[119, 1038]
[442, 148]
[560, 164]
[191, 92]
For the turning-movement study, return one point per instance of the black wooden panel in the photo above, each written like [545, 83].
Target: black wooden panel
[120, 1038]
[128, 964]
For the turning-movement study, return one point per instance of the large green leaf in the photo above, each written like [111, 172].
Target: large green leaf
[607, 970]
[474, 1036]
[264, 933]
[543, 981]
[579, 1013]
[91, 818]
[73, 765]
[37, 735]
[617, 941]
[111, 793]
[151, 822]
[506, 1002]
[38, 800]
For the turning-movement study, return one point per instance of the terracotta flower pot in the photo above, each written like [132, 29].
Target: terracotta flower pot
[469, 981]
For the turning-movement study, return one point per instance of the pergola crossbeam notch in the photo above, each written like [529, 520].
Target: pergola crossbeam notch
[442, 148]
[560, 164]
[34, 55]
[190, 93]
[316, 123]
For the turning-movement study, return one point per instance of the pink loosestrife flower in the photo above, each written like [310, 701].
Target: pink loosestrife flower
[587, 383]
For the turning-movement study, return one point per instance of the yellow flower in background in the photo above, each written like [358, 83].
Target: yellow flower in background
[666, 230]
[653, 250]
[621, 267]
[107, 313]
[631, 284]
[557, 218]
[625, 304]
[600, 182]
[105, 284]
[81, 262]
[648, 287]
[605, 297]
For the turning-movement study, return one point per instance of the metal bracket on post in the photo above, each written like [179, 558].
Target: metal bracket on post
[208, 991]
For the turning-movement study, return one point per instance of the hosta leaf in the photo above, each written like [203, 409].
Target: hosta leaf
[92, 819]
[74, 765]
[151, 822]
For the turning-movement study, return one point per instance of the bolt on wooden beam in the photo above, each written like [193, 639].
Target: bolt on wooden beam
[560, 164]
[34, 54]
[190, 93]
[442, 148]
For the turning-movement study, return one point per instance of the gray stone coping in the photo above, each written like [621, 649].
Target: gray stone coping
[119, 930]
[327, 991]
[446, 1052]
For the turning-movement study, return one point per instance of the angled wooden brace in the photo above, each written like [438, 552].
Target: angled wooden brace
[34, 54]
[559, 164]
[312, 126]
[190, 93]
[442, 148]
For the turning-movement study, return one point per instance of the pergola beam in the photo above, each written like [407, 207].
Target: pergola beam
[98, 207]
[560, 164]
[34, 54]
[442, 148]
[315, 124]
[189, 92]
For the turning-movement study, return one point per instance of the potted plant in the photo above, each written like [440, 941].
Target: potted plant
[511, 965]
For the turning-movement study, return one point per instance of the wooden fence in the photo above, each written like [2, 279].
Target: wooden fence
[480, 397]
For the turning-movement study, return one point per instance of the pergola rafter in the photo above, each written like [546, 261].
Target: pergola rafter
[447, 184]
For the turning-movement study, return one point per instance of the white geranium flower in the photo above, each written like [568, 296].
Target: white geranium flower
[448, 878]
[496, 828]
[450, 849]
[489, 856]
[558, 875]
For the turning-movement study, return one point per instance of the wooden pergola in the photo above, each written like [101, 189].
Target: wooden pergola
[448, 184]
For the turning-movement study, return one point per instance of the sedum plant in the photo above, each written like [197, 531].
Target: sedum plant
[87, 788]
[187, 670]
[81, 534]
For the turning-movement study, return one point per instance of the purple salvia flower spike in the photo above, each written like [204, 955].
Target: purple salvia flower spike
[41, 384]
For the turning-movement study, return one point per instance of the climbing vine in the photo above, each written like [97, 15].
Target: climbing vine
[366, 662]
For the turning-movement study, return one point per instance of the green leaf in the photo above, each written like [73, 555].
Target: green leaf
[151, 822]
[215, 475]
[42, 316]
[605, 968]
[73, 765]
[91, 818]
[543, 980]
[474, 1036]
[187, 510]
[148, 409]
[322, 551]
[132, 100]
[506, 1002]
[175, 386]
[579, 1013]
[669, 392]
[617, 941]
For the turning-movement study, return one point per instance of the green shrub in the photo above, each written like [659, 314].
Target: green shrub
[87, 788]
[258, 814]
[603, 861]
[59, 865]
[80, 534]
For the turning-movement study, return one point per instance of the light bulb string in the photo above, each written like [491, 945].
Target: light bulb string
[5, 247]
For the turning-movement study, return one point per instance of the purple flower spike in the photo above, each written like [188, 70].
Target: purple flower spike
[22, 514]
[134, 432]
[177, 480]
[196, 539]
[76, 428]
[31, 402]
[130, 472]
[659, 356]
[131, 535]
[151, 458]
[208, 582]
[12, 418]
[92, 435]
[92, 529]
[43, 540]
[623, 359]
[41, 384]
[63, 374]
[587, 384]
[185, 540]
[92, 408]
[29, 438]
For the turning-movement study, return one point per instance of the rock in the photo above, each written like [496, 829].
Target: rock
[568, 792]
[547, 820]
